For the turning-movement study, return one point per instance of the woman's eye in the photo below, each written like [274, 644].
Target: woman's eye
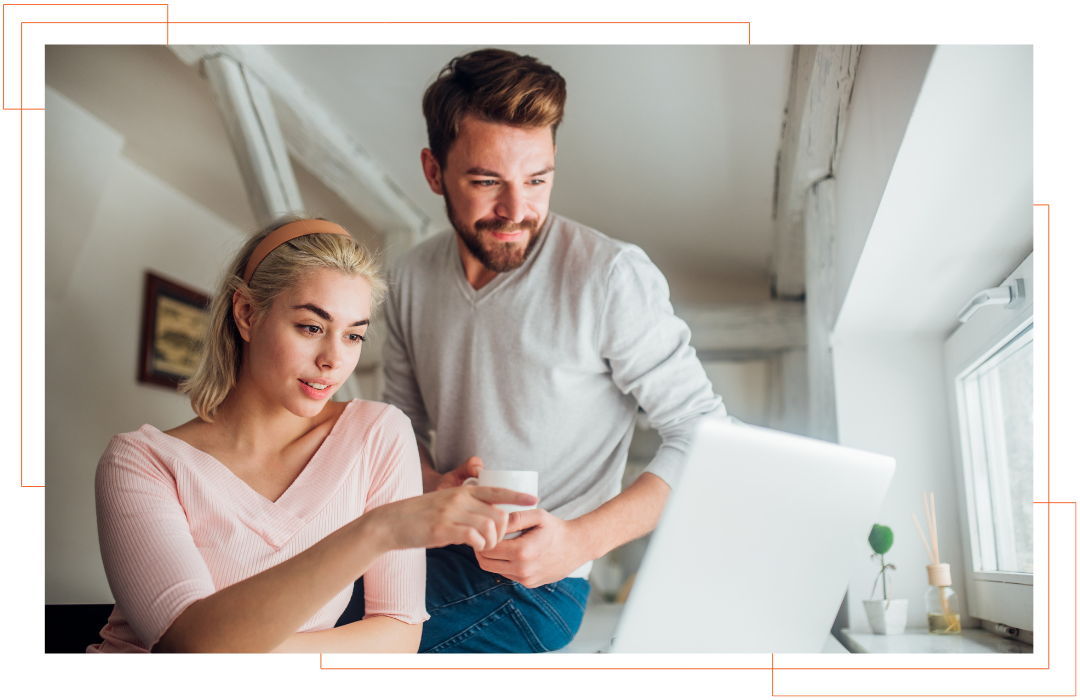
[311, 330]
[355, 338]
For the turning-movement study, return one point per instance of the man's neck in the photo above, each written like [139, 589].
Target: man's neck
[477, 274]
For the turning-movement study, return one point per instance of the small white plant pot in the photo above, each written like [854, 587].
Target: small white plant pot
[886, 616]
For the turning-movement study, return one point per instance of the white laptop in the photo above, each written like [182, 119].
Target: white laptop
[756, 545]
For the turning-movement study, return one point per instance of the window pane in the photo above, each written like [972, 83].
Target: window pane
[999, 397]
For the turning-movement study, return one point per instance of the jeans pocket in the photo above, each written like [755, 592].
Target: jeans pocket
[502, 631]
[576, 589]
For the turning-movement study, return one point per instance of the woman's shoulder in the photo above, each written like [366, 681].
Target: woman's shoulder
[144, 450]
[363, 415]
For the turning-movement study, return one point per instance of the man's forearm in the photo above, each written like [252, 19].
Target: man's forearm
[427, 468]
[630, 515]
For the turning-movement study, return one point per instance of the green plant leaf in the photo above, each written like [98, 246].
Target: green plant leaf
[881, 538]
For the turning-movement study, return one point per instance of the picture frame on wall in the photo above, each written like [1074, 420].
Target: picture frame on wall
[174, 321]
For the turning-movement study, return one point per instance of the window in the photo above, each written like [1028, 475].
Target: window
[996, 417]
[989, 361]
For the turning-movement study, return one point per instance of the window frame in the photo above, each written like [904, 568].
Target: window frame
[997, 596]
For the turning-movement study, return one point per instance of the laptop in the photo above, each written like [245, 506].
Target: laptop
[756, 545]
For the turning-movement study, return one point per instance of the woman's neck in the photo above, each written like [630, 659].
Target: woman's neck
[255, 424]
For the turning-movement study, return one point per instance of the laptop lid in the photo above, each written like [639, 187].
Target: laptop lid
[756, 544]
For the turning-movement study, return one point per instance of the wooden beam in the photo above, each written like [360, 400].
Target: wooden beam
[820, 91]
[250, 121]
[744, 329]
[820, 314]
[327, 150]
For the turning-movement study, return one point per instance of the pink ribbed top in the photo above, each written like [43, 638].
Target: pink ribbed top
[176, 525]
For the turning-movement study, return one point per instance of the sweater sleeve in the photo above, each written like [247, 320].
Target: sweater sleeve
[153, 566]
[394, 585]
[401, 388]
[648, 350]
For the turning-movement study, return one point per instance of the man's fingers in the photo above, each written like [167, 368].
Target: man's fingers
[524, 519]
[495, 566]
[471, 467]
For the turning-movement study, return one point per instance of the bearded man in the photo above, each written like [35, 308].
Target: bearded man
[526, 341]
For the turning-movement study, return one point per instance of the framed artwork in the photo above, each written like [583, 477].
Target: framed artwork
[174, 320]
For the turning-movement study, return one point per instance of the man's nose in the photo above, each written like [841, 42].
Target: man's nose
[512, 204]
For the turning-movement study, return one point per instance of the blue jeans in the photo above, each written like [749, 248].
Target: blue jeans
[476, 611]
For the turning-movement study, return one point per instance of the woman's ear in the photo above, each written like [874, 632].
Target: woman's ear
[243, 314]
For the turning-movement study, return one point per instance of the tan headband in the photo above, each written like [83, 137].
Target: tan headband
[287, 233]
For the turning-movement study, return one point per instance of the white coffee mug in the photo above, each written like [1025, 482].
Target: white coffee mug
[525, 482]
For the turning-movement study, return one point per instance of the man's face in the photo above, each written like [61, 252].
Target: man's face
[497, 186]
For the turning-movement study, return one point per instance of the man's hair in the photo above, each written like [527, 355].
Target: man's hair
[495, 86]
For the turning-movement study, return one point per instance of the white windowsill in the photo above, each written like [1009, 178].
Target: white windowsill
[920, 641]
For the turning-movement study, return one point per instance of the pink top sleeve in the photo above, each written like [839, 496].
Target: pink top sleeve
[154, 568]
[396, 581]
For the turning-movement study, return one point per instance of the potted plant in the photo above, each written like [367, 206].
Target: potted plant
[886, 615]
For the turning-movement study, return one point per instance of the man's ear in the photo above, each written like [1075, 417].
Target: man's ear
[243, 314]
[432, 171]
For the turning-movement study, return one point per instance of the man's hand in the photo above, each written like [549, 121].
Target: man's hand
[469, 468]
[548, 550]
[434, 481]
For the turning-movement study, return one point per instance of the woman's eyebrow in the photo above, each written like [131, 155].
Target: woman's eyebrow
[324, 315]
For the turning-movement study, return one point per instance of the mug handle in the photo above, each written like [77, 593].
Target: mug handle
[471, 481]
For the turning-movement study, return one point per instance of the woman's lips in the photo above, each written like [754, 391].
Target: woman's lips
[314, 393]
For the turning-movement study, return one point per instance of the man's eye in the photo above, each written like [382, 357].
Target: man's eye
[484, 183]
[536, 182]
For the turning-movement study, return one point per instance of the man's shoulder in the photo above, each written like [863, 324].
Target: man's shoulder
[591, 250]
[422, 256]
[581, 244]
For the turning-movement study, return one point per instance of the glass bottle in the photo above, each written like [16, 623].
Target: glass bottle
[942, 603]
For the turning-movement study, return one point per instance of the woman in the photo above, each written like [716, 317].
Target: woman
[245, 528]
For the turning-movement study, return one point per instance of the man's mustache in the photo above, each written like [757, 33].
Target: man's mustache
[506, 226]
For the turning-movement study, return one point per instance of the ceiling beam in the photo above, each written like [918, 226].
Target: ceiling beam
[316, 140]
[814, 123]
[250, 122]
[745, 328]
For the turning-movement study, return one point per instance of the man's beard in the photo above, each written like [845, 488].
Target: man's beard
[500, 256]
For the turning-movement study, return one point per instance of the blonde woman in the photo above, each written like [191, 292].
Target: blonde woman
[245, 528]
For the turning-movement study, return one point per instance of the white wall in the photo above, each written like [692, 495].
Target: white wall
[92, 330]
[890, 399]
[954, 217]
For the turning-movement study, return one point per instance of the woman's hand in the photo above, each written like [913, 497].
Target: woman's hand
[463, 515]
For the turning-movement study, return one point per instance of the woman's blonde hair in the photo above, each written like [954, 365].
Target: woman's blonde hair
[280, 270]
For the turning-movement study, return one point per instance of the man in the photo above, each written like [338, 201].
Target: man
[527, 341]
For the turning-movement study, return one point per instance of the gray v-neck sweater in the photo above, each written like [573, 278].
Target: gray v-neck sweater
[544, 367]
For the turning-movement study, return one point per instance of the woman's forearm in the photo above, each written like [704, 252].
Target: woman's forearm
[373, 635]
[262, 612]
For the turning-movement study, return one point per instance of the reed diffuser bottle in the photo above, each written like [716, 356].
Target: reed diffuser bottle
[942, 605]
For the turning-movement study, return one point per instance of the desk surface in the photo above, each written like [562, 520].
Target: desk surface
[920, 641]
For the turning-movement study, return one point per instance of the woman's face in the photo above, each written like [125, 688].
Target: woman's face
[309, 341]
